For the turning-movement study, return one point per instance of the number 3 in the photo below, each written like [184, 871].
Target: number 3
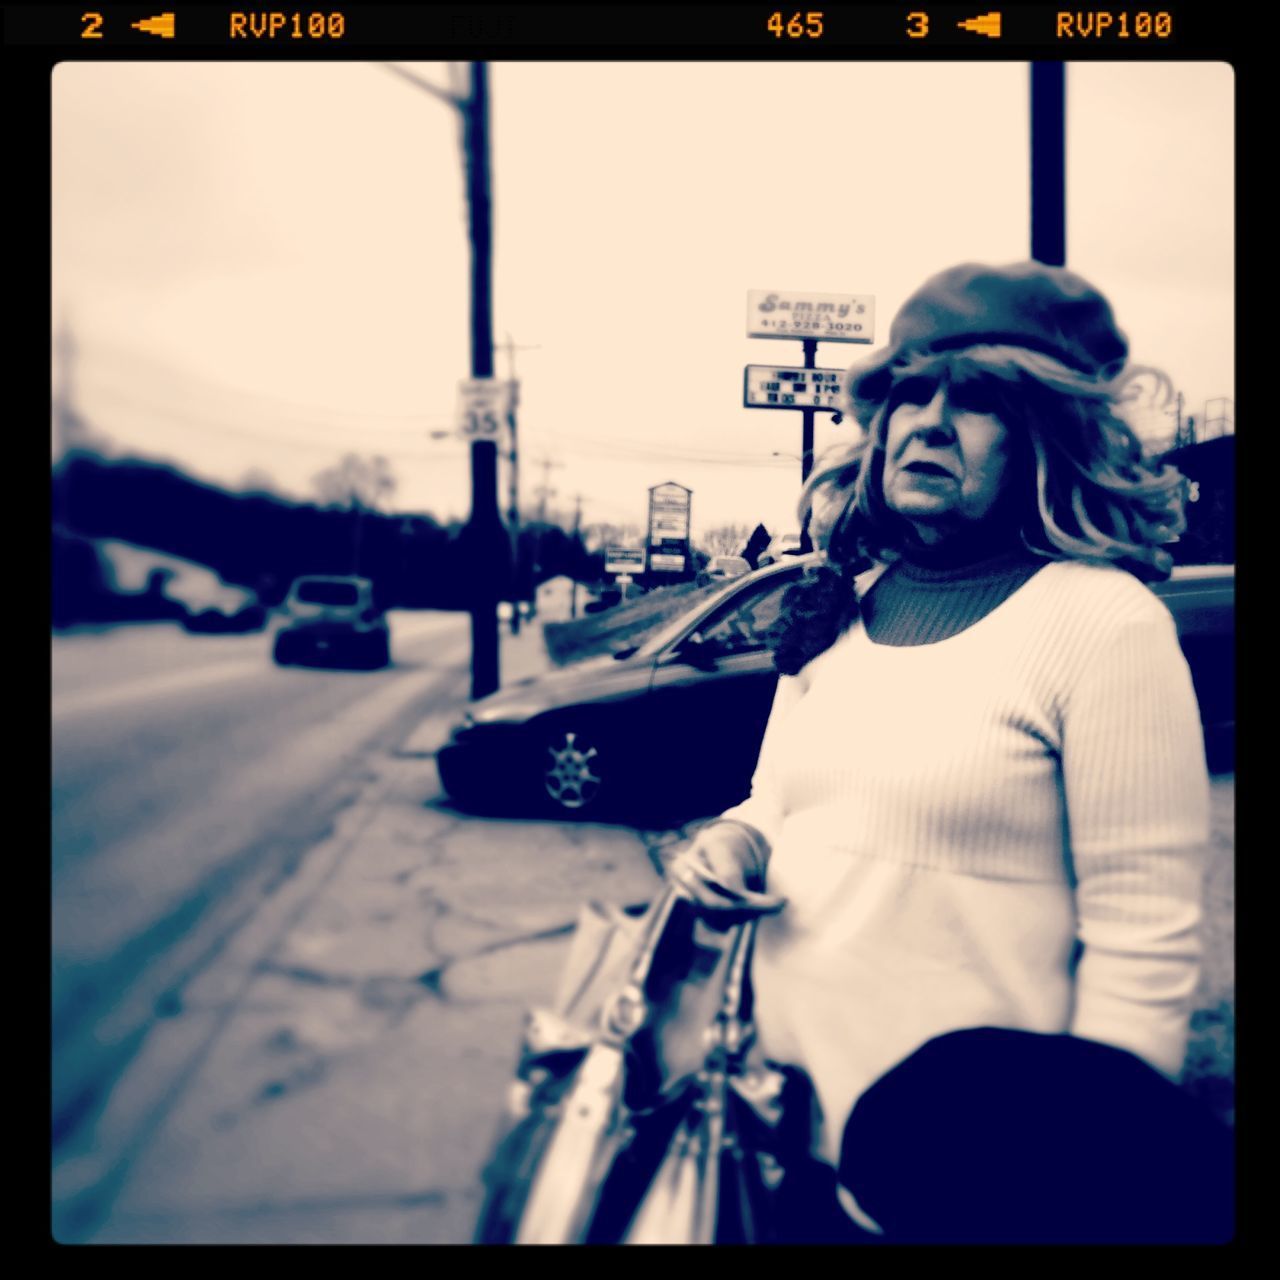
[917, 25]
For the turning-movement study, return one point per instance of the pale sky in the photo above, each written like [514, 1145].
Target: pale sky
[265, 265]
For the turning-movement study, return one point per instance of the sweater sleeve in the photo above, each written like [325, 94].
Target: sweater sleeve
[1137, 802]
[762, 809]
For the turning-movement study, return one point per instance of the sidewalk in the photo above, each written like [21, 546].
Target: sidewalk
[350, 1089]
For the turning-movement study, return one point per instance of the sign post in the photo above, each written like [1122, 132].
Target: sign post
[813, 318]
[667, 543]
[484, 404]
[623, 560]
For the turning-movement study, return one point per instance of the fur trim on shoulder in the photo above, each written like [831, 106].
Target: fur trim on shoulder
[815, 612]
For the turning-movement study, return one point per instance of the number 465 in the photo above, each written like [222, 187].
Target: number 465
[809, 24]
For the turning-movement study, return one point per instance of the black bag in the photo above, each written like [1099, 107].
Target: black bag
[638, 1114]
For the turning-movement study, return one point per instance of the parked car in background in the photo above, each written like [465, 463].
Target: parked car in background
[672, 728]
[1202, 599]
[721, 568]
[785, 544]
[333, 619]
[250, 617]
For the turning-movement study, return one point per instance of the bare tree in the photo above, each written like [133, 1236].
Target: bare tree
[359, 484]
[604, 534]
[726, 539]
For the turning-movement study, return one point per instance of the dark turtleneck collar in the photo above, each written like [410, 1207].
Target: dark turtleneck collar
[987, 545]
[934, 592]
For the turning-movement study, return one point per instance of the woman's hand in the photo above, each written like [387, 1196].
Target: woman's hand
[722, 873]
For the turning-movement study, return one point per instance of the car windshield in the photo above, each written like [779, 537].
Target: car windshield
[668, 634]
[327, 593]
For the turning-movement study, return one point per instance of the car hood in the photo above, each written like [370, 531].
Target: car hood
[594, 679]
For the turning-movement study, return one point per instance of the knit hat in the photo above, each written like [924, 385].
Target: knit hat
[1027, 304]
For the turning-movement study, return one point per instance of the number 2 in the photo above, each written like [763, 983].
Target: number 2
[92, 26]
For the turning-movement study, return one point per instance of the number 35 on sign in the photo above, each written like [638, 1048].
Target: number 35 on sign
[483, 406]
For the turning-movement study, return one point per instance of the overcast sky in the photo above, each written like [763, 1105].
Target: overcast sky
[264, 266]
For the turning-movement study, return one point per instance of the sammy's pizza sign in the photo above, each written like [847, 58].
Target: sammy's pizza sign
[824, 317]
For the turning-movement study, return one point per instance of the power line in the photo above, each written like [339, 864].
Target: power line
[328, 447]
[311, 419]
[186, 380]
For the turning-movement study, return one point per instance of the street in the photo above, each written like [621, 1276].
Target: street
[201, 796]
[189, 774]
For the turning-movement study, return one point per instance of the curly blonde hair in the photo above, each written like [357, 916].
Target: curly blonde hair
[1088, 493]
[1082, 488]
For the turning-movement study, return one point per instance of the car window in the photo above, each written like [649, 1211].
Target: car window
[744, 628]
[338, 593]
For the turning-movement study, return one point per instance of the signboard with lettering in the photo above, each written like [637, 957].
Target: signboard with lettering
[768, 386]
[668, 538]
[623, 560]
[826, 317]
[666, 562]
[483, 406]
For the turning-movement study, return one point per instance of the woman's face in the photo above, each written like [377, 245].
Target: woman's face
[946, 456]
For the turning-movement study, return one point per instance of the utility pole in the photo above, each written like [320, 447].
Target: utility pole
[1049, 163]
[64, 347]
[485, 541]
[577, 546]
[544, 490]
[67, 425]
[513, 496]
[485, 522]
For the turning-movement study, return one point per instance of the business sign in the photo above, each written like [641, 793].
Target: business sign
[767, 386]
[624, 560]
[483, 406]
[667, 562]
[669, 524]
[668, 538]
[826, 317]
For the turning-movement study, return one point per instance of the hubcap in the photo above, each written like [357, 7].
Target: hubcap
[571, 779]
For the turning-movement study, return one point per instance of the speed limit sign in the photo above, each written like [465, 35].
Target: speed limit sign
[483, 404]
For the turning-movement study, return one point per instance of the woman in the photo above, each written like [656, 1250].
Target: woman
[981, 800]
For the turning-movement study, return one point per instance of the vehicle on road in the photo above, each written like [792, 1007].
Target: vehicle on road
[672, 728]
[332, 620]
[721, 568]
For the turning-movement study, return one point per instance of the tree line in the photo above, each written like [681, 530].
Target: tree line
[262, 542]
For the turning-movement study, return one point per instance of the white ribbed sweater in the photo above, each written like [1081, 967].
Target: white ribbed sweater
[1003, 828]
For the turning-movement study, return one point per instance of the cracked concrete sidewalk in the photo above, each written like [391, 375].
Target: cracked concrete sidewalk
[353, 1092]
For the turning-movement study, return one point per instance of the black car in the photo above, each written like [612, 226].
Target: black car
[673, 727]
[328, 619]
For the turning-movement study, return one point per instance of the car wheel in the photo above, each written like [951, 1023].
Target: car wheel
[283, 651]
[573, 767]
